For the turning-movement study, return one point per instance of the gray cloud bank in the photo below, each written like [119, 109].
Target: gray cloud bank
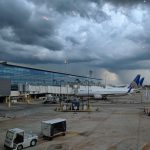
[112, 34]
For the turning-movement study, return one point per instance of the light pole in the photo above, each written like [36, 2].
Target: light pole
[60, 97]
[88, 96]
[66, 63]
[77, 83]
[9, 102]
[68, 83]
[87, 84]
[67, 94]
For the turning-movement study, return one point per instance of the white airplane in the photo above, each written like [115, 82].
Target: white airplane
[100, 92]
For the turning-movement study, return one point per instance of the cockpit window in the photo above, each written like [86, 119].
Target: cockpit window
[9, 135]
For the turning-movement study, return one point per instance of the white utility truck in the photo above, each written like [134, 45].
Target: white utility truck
[53, 128]
[17, 139]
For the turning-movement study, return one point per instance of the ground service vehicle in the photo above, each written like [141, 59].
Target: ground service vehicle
[53, 128]
[17, 139]
[49, 102]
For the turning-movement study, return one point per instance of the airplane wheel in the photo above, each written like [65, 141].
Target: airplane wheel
[33, 142]
[20, 147]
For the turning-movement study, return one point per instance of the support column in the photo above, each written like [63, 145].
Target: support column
[9, 102]
[6, 100]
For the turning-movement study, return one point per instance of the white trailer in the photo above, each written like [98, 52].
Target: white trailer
[53, 128]
[17, 139]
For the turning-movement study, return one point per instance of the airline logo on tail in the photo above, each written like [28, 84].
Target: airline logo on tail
[141, 82]
[134, 83]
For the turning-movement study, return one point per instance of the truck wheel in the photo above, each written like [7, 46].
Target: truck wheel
[33, 142]
[20, 147]
[63, 134]
[50, 138]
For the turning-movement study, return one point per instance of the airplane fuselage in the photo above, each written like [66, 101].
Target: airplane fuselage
[103, 91]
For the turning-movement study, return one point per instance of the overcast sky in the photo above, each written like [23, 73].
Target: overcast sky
[109, 37]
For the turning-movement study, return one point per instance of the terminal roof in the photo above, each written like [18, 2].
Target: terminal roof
[39, 69]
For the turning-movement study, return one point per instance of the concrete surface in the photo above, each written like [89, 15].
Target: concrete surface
[118, 125]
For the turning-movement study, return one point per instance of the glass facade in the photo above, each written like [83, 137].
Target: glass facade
[24, 75]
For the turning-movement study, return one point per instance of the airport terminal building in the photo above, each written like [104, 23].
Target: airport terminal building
[29, 80]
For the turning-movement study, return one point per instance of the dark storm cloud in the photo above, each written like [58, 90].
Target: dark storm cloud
[13, 13]
[92, 32]
[73, 40]
[84, 8]
[27, 25]
[23, 23]
[127, 2]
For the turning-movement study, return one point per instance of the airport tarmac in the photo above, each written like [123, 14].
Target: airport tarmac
[118, 125]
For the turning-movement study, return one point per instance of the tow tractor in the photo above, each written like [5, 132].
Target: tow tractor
[17, 139]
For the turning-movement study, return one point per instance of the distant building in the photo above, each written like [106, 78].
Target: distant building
[24, 78]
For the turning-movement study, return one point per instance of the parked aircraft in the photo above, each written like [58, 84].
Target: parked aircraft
[100, 92]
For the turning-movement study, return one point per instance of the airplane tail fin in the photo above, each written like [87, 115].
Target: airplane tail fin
[134, 83]
[141, 82]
